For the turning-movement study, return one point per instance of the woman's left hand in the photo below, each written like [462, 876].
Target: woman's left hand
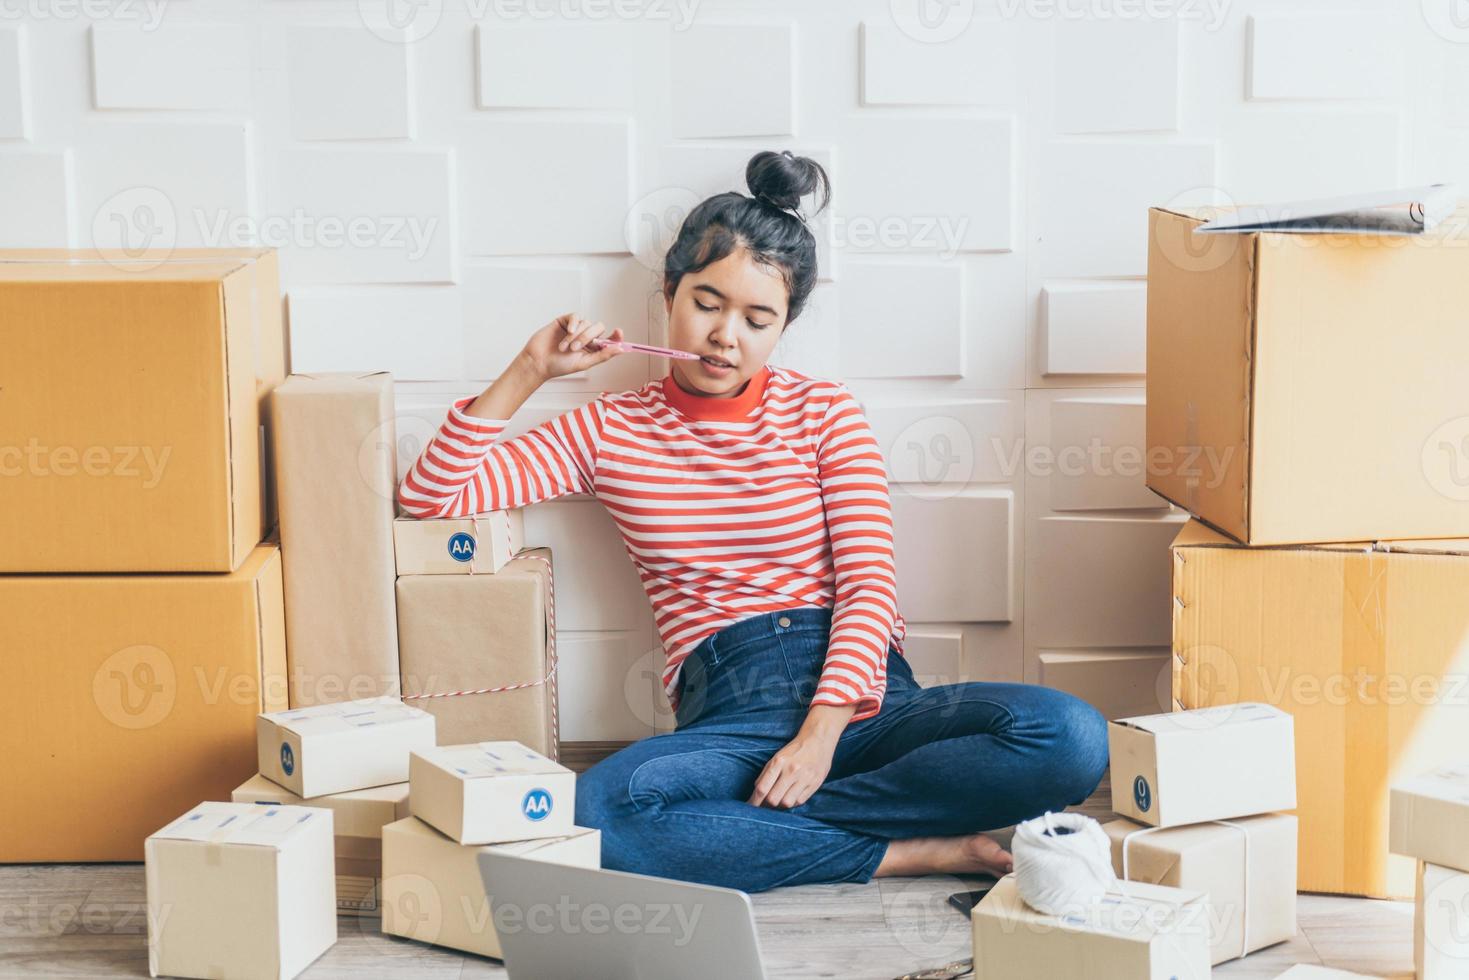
[795, 772]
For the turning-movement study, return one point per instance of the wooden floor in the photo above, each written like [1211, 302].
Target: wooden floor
[86, 921]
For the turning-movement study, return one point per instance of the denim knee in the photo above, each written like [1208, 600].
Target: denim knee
[1080, 743]
[600, 791]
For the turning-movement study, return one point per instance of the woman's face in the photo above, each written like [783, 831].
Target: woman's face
[730, 313]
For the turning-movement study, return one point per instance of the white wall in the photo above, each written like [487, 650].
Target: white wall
[982, 268]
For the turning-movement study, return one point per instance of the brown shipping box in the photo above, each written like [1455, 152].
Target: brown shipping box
[133, 400]
[1309, 387]
[335, 477]
[1368, 649]
[130, 698]
[470, 632]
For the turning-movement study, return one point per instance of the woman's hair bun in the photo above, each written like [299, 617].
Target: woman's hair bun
[783, 179]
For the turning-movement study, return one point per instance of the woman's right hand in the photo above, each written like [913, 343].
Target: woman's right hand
[560, 347]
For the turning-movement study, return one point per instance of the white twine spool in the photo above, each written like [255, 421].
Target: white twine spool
[1063, 862]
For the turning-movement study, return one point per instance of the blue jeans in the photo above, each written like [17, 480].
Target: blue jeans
[947, 760]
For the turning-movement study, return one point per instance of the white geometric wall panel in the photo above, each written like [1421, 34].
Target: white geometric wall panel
[1097, 451]
[401, 199]
[545, 186]
[1116, 75]
[595, 669]
[14, 84]
[1363, 149]
[564, 65]
[176, 66]
[1330, 54]
[597, 586]
[955, 557]
[1093, 199]
[979, 67]
[150, 184]
[503, 304]
[932, 443]
[1096, 327]
[1099, 581]
[35, 198]
[936, 184]
[339, 329]
[757, 99]
[811, 345]
[348, 84]
[910, 316]
[1121, 683]
[935, 653]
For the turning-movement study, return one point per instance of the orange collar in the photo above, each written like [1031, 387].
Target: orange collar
[705, 407]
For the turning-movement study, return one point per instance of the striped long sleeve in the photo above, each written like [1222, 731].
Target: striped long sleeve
[464, 470]
[854, 496]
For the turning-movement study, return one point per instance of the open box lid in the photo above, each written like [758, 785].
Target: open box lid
[1405, 211]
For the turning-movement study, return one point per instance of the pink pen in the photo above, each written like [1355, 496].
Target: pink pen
[627, 346]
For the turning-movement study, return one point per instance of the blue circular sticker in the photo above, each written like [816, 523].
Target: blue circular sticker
[536, 805]
[461, 546]
[1142, 794]
[288, 758]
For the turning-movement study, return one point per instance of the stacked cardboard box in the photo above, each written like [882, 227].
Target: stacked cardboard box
[477, 629]
[137, 575]
[467, 799]
[1430, 814]
[1199, 792]
[1306, 390]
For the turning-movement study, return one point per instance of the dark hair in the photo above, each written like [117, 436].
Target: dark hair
[763, 224]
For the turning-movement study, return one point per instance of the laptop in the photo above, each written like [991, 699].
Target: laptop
[559, 922]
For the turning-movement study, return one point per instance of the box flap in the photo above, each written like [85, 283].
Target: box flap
[59, 264]
[1201, 719]
[490, 759]
[345, 716]
[1449, 783]
[1405, 211]
[1196, 534]
[241, 823]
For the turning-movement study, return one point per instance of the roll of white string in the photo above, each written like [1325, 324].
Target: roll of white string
[1063, 862]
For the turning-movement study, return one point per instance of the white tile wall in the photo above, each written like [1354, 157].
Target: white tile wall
[981, 267]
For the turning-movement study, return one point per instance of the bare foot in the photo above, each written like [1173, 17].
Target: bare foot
[968, 854]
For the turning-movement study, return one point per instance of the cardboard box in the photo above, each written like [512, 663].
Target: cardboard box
[1185, 767]
[1429, 817]
[1150, 932]
[1308, 387]
[475, 545]
[336, 473]
[1369, 652]
[492, 792]
[135, 396]
[1308, 971]
[358, 818]
[1258, 896]
[240, 891]
[336, 748]
[128, 699]
[433, 892]
[472, 632]
[1441, 923]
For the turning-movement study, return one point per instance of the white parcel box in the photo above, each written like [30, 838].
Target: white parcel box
[1143, 932]
[335, 748]
[433, 891]
[358, 818]
[240, 891]
[1428, 818]
[475, 545]
[1232, 760]
[1441, 924]
[489, 792]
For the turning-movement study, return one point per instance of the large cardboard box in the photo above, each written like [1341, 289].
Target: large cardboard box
[1441, 923]
[1309, 387]
[1148, 932]
[492, 792]
[240, 891]
[336, 474]
[1185, 767]
[433, 892]
[1368, 649]
[336, 748]
[128, 699]
[1247, 867]
[358, 818]
[135, 395]
[474, 545]
[1429, 817]
[467, 633]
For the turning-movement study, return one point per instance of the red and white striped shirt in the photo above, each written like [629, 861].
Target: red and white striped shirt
[729, 508]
